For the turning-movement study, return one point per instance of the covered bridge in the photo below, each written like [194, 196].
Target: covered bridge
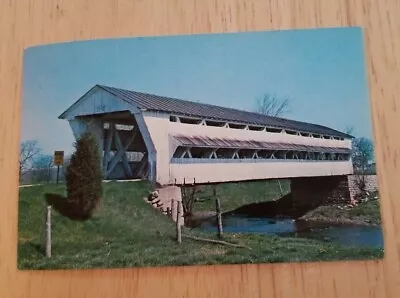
[173, 141]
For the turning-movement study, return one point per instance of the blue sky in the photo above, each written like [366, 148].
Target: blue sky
[322, 71]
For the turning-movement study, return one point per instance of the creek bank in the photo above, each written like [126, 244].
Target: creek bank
[195, 219]
[284, 207]
[365, 212]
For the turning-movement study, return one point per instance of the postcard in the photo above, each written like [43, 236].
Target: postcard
[205, 149]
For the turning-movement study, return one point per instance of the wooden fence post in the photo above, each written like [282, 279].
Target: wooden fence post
[178, 225]
[48, 232]
[219, 217]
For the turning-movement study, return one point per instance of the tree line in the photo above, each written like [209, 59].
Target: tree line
[33, 161]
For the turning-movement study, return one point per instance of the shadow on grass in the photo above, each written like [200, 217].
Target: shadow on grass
[68, 208]
[38, 247]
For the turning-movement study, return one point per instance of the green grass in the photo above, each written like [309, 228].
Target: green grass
[127, 232]
[364, 213]
[234, 195]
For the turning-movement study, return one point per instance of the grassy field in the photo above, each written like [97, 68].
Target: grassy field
[234, 195]
[127, 232]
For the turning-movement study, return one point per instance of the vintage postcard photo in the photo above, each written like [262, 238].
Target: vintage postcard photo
[203, 149]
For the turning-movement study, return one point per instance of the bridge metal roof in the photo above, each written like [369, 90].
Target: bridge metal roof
[183, 107]
[190, 141]
[152, 102]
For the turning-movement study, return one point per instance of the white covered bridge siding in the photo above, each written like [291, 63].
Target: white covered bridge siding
[172, 141]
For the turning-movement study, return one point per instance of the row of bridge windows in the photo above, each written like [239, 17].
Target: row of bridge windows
[224, 153]
[205, 122]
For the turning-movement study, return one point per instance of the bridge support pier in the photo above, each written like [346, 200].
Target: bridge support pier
[316, 191]
[167, 198]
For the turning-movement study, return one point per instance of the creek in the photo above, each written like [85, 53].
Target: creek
[345, 234]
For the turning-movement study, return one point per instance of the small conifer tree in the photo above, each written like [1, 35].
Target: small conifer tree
[84, 176]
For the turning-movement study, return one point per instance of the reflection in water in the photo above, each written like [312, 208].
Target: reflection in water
[352, 235]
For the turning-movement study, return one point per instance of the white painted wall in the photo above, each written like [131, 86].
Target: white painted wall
[243, 170]
[157, 125]
[162, 132]
[97, 101]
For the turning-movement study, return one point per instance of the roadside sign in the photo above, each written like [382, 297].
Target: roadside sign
[58, 161]
[58, 158]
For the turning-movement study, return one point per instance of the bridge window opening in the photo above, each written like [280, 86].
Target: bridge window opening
[215, 123]
[200, 152]
[327, 137]
[237, 126]
[302, 155]
[225, 153]
[179, 152]
[291, 132]
[186, 153]
[246, 153]
[264, 154]
[287, 154]
[213, 154]
[273, 130]
[173, 118]
[190, 120]
[256, 128]
[280, 155]
[304, 134]
[296, 155]
[271, 154]
[230, 153]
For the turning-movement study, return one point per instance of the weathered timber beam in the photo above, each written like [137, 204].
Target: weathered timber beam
[142, 165]
[117, 157]
[125, 162]
[108, 148]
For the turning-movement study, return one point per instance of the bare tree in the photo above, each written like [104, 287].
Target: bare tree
[42, 166]
[28, 151]
[43, 161]
[270, 105]
[189, 198]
